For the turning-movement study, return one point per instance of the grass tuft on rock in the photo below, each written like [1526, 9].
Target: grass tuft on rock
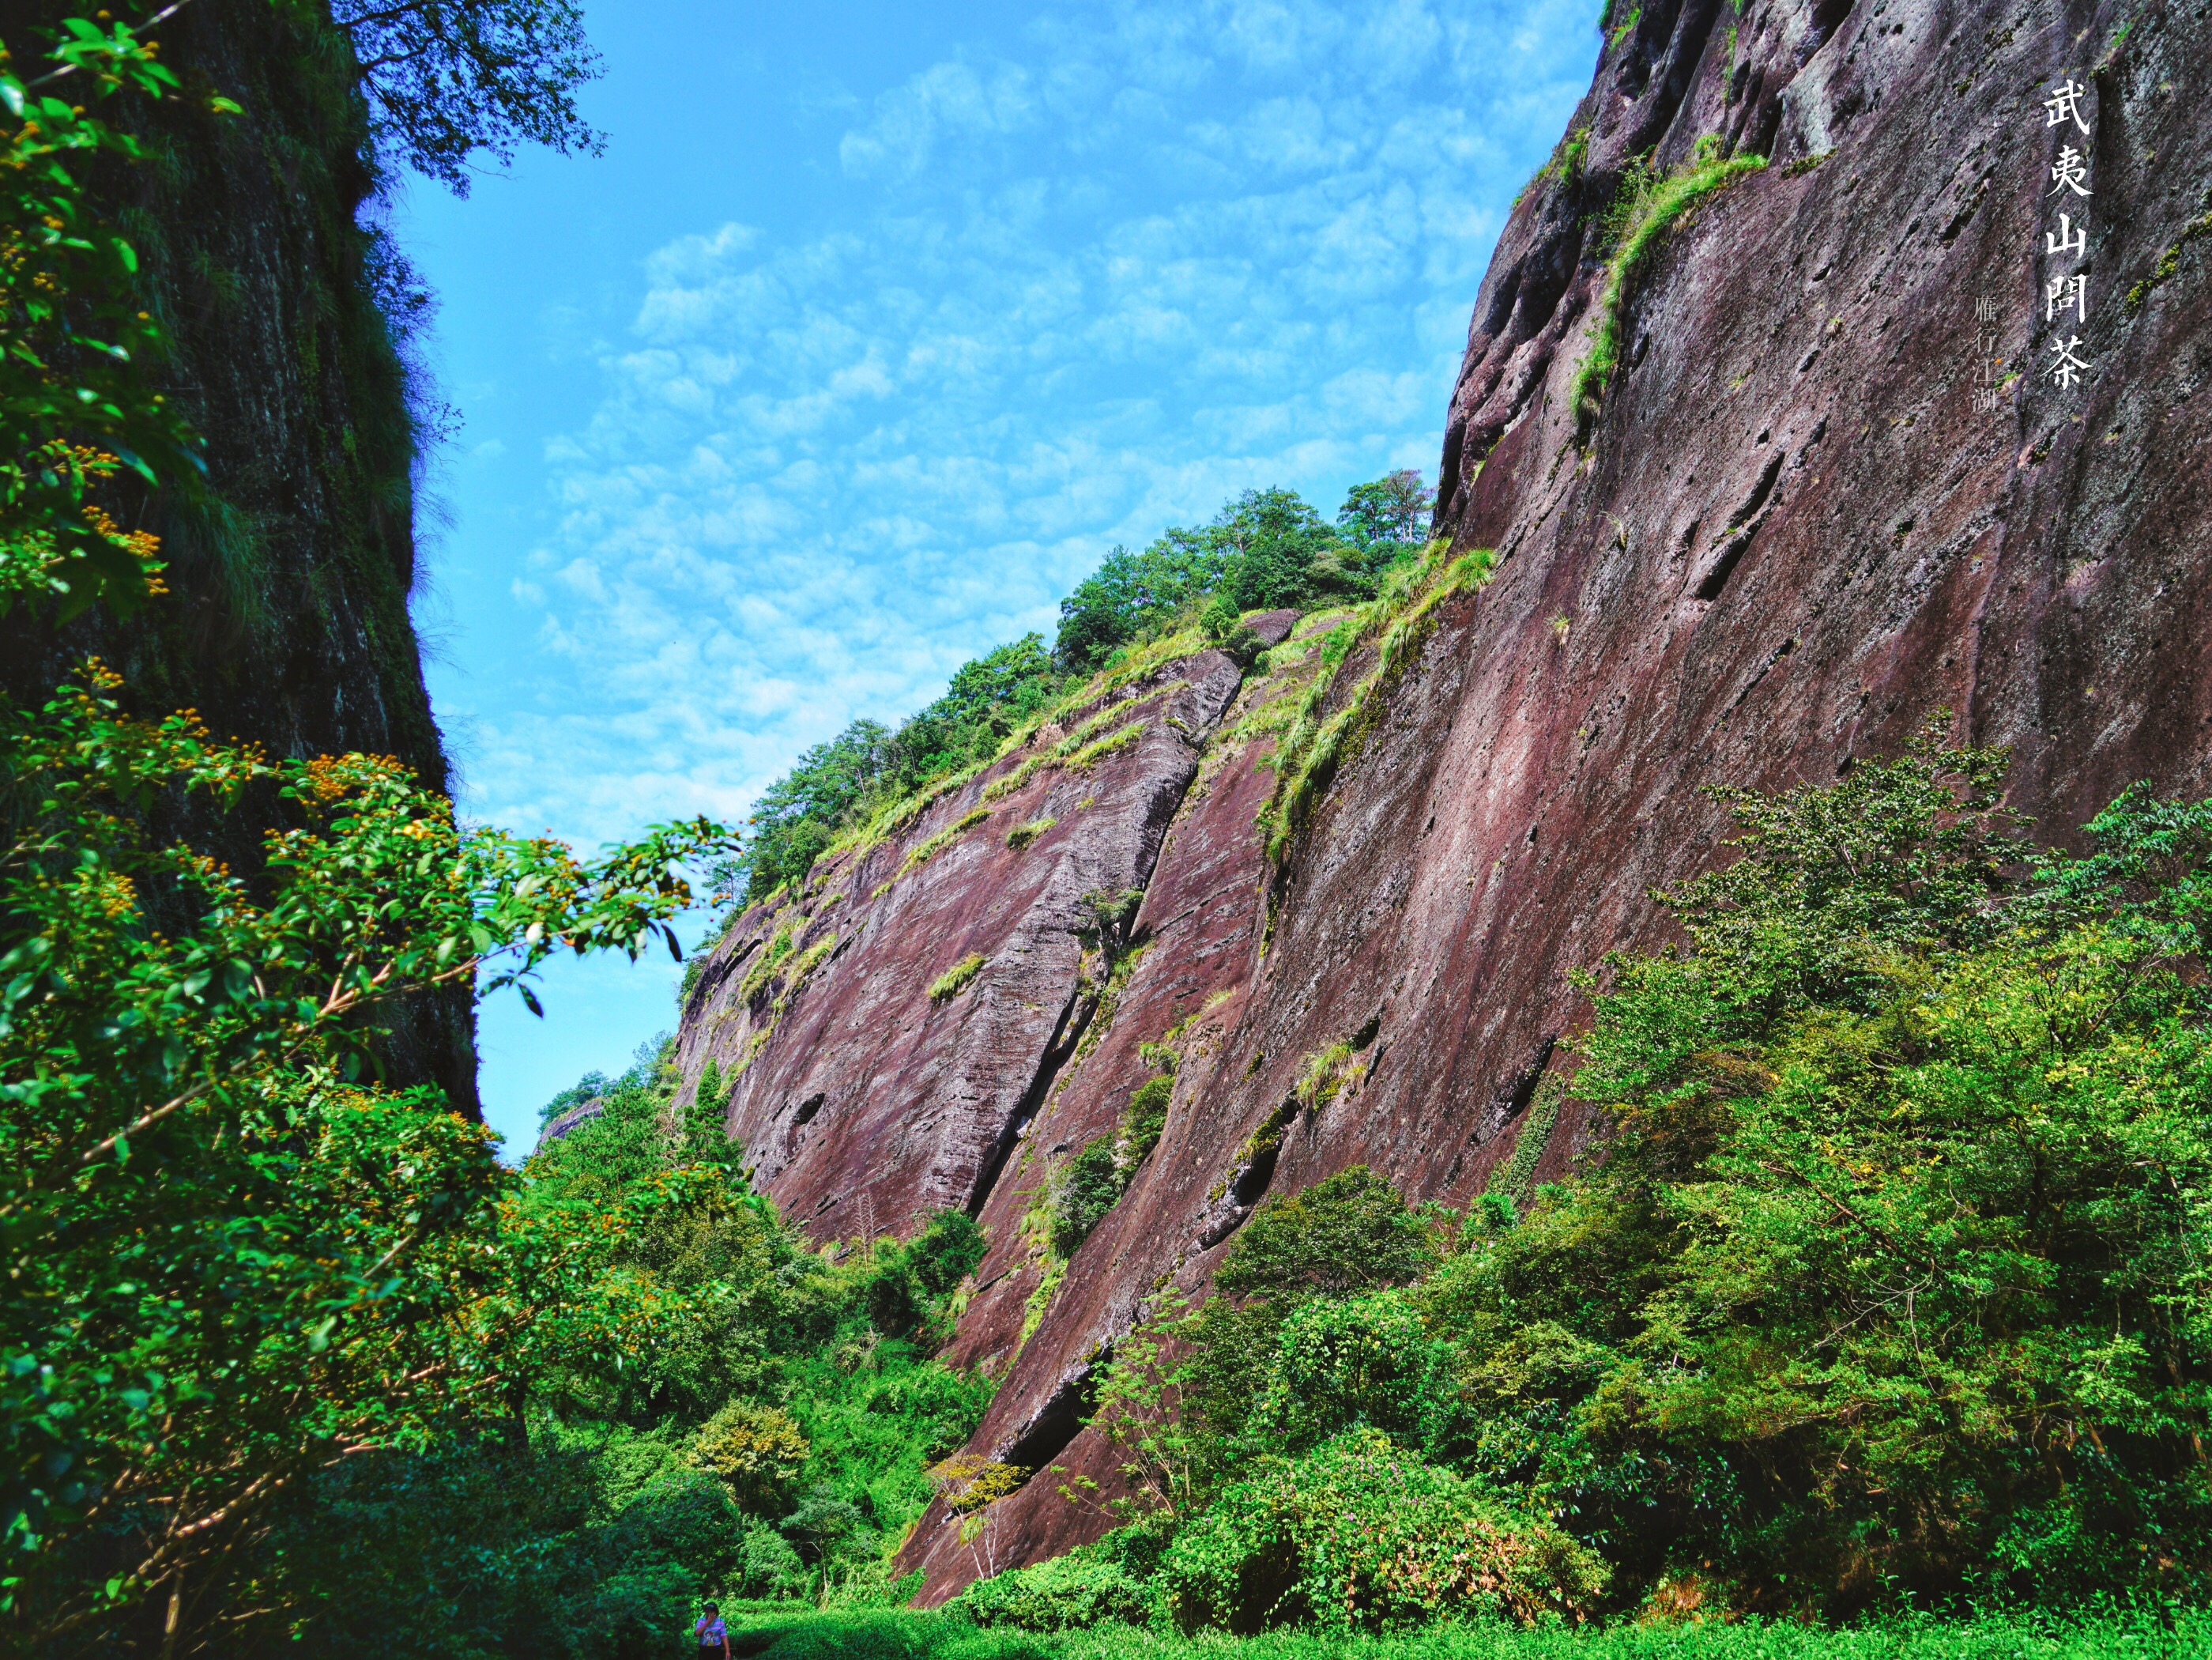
[954, 980]
[1646, 208]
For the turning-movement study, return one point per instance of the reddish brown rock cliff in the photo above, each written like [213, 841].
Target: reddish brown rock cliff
[1783, 537]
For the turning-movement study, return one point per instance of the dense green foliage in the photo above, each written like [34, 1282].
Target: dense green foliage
[240, 1261]
[1884, 1290]
[1888, 1289]
[772, 1438]
[791, 1633]
[1267, 548]
[235, 1257]
[1891, 1281]
[78, 401]
[1264, 549]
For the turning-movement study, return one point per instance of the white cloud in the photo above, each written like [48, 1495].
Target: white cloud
[945, 101]
[1073, 292]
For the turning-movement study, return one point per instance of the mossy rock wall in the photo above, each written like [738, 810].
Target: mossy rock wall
[287, 622]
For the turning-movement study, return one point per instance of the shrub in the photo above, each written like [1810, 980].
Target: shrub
[946, 1250]
[1218, 619]
[684, 1515]
[1348, 1232]
[768, 1567]
[900, 1283]
[755, 1451]
[1368, 1360]
[969, 1484]
[935, 1409]
[1887, 1285]
[1143, 1120]
[1068, 1593]
[1359, 1533]
[949, 983]
[1244, 646]
[630, 1610]
[1083, 1190]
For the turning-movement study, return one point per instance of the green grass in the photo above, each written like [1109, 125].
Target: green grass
[1565, 164]
[954, 979]
[1133, 663]
[1403, 614]
[945, 838]
[1639, 221]
[1091, 753]
[770, 960]
[793, 1631]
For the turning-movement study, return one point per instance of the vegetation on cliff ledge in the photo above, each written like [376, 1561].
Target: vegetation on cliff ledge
[1267, 548]
[1648, 206]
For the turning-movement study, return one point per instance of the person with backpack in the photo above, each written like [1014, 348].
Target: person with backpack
[714, 1637]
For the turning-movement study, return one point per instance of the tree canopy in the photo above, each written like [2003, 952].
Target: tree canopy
[447, 79]
[1266, 549]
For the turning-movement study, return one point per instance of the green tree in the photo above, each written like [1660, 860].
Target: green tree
[1388, 513]
[796, 817]
[79, 403]
[989, 697]
[1891, 1274]
[1277, 551]
[837, 784]
[235, 1257]
[446, 79]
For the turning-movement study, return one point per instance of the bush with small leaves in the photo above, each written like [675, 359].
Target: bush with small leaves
[1143, 1120]
[1083, 1190]
[1359, 1535]
[1347, 1232]
[755, 1451]
[1074, 1592]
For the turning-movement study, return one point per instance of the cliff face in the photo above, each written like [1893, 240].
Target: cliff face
[1789, 531]
[287, 623]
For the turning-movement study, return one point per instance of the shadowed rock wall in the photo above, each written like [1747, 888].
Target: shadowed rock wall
[1784, 537]
[287, 621]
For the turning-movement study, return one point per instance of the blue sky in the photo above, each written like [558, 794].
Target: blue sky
[875, 328]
